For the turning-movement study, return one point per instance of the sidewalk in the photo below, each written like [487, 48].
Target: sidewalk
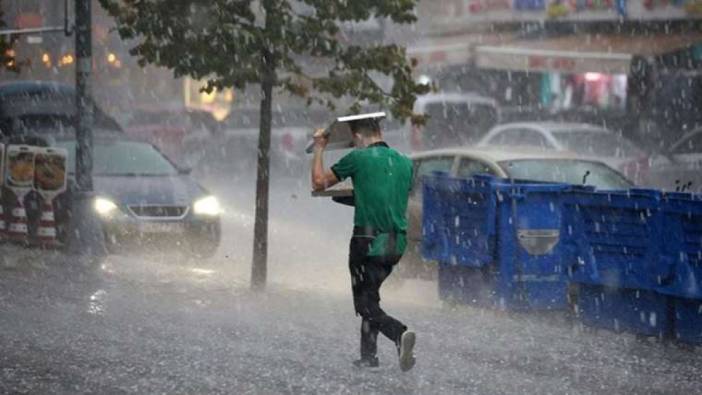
[141, 326]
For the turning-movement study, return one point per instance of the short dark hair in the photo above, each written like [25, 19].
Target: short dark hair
[366, 127]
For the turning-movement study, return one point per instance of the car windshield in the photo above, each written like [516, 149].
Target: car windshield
[567, 171]
[605, 144]
[123, 158]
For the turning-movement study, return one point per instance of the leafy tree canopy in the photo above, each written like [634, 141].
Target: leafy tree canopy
[234, 43]
[7, 60]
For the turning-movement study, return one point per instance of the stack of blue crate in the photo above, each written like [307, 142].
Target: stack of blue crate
[496, 241]
[634, 257]
[682, 248]
[615, 258]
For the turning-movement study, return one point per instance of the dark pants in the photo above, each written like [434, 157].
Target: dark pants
[367, 275]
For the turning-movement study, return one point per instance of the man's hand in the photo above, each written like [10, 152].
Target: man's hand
[321, 179]
[320, 139]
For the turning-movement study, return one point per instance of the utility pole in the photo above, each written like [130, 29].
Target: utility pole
[84, 113]
[85, 237]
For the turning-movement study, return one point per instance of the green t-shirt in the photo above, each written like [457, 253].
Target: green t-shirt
[382, 178]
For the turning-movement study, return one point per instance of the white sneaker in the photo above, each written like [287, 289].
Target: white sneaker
[406, 350]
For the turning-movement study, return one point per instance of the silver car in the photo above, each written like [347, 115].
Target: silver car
[534, 165]
[682, 170]
[584, 139]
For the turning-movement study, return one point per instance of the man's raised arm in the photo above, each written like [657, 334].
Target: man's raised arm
[321, 179]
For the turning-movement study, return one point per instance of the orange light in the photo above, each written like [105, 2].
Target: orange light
[67, 59]
[46, 58]
[207, 98]
[111, 58]
[229, 95]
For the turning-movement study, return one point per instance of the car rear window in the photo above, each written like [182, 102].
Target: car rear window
[569, 171]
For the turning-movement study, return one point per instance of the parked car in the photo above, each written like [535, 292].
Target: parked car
[145, 201]
[683, 168]
[533, 165]
[28, 106]
[584, 139]
[453, 119]
[181, 133]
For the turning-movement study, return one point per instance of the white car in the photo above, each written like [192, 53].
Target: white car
[688, 149]
[454, 119]
[535, 165]
[583, 139]
[684, 170]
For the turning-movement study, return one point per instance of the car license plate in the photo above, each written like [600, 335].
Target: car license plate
[162, 227]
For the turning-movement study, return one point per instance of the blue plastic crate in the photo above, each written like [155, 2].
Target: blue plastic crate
[530, 251]
[509, 230]
[682, 244]
[641, 312]
[688, 320]
[614, 239]
[458, 220]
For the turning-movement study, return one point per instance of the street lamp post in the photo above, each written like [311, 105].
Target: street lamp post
[84, 114]
[86, 236]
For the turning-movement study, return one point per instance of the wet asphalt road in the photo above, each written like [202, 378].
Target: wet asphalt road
[146, 324]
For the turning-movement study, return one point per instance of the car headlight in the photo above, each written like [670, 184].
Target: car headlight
[105, 207]
[207, 206]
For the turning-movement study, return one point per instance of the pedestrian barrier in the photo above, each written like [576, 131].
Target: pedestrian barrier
[17, 228]
[46, 232]
[50, 180]
[32, 176]
[497, 241]
[19, 179]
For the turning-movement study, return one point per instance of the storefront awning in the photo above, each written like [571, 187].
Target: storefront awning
[610, 54]
[452, 50]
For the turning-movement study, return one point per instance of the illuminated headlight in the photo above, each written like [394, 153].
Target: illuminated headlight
[207, 206]
[105, 207]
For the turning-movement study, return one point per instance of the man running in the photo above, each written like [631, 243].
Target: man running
[382, 178]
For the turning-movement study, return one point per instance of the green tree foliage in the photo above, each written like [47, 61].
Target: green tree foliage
[7, 61]
[235, 43]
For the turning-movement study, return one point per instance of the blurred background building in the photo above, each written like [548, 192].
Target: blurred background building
[532, 56]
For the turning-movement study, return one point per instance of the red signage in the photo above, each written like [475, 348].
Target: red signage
[28, 20]
[551, 63]
[479, 6]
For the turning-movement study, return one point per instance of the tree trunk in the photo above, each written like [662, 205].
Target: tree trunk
[260, 248]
